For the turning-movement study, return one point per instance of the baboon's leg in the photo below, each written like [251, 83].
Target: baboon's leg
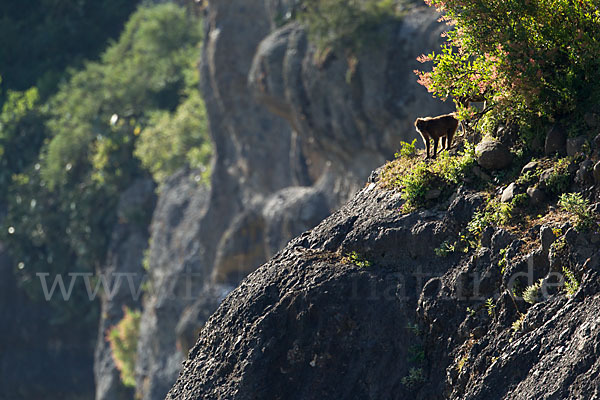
[450, 137]
[444, 143]
[426, 141]
[435, 144]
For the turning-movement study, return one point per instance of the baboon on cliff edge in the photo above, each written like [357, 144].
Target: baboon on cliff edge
[443, 126]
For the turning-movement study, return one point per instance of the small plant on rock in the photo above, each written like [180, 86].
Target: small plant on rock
[518, 324]
[356, 259]
[532, 294]
[407, 149]
[571, 282]
[575, 204]
[414, 378]
[490, 306]
[559, 179]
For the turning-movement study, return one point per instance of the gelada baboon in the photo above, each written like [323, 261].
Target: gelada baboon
[443, 127]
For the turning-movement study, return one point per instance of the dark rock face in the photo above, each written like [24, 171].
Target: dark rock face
[575, 145]
[310, 324]
[293, 142]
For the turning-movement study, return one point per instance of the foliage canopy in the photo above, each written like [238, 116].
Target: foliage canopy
[528, 59]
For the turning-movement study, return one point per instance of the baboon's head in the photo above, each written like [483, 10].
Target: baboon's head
[419, 123]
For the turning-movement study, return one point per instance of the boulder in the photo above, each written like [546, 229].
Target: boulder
[493, 155]
[536, 195]
[591, 119]
[289, 327]
[509, 193]
[575, 145]
[597, 173]
[556, 140]
[547, 237]
[585, 173]
[531, 166]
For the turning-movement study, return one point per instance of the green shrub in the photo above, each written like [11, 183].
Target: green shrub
[443, 173]
[571, 282]
[529, 178]
[503, 262]
[495, 213]
[123, 339]
[527, 58]
[407, 149]
[560, 179]
[356, 259]
[531, 294]
[174, 139]
[22, 133]
[575, 204]
[414, 378]
[98, 114]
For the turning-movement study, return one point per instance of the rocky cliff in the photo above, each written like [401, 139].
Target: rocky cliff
[361, 307]
[294, 140]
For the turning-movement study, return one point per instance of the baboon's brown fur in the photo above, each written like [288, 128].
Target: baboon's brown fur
[443, 126]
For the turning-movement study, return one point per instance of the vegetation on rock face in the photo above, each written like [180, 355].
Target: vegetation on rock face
[123, 339]
[420, 180]
[133, 113]
[356, 259]
[576, 205]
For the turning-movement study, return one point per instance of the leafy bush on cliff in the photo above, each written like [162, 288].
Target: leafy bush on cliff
[99, 113]
[123, 339]
[22, 132]
[532, 61]
[174, 139]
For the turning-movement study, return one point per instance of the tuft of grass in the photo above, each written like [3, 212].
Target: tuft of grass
[518, 324]
[571, 282]
[576, 205]
[407, 149]
[532, 294]
[356, 259]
